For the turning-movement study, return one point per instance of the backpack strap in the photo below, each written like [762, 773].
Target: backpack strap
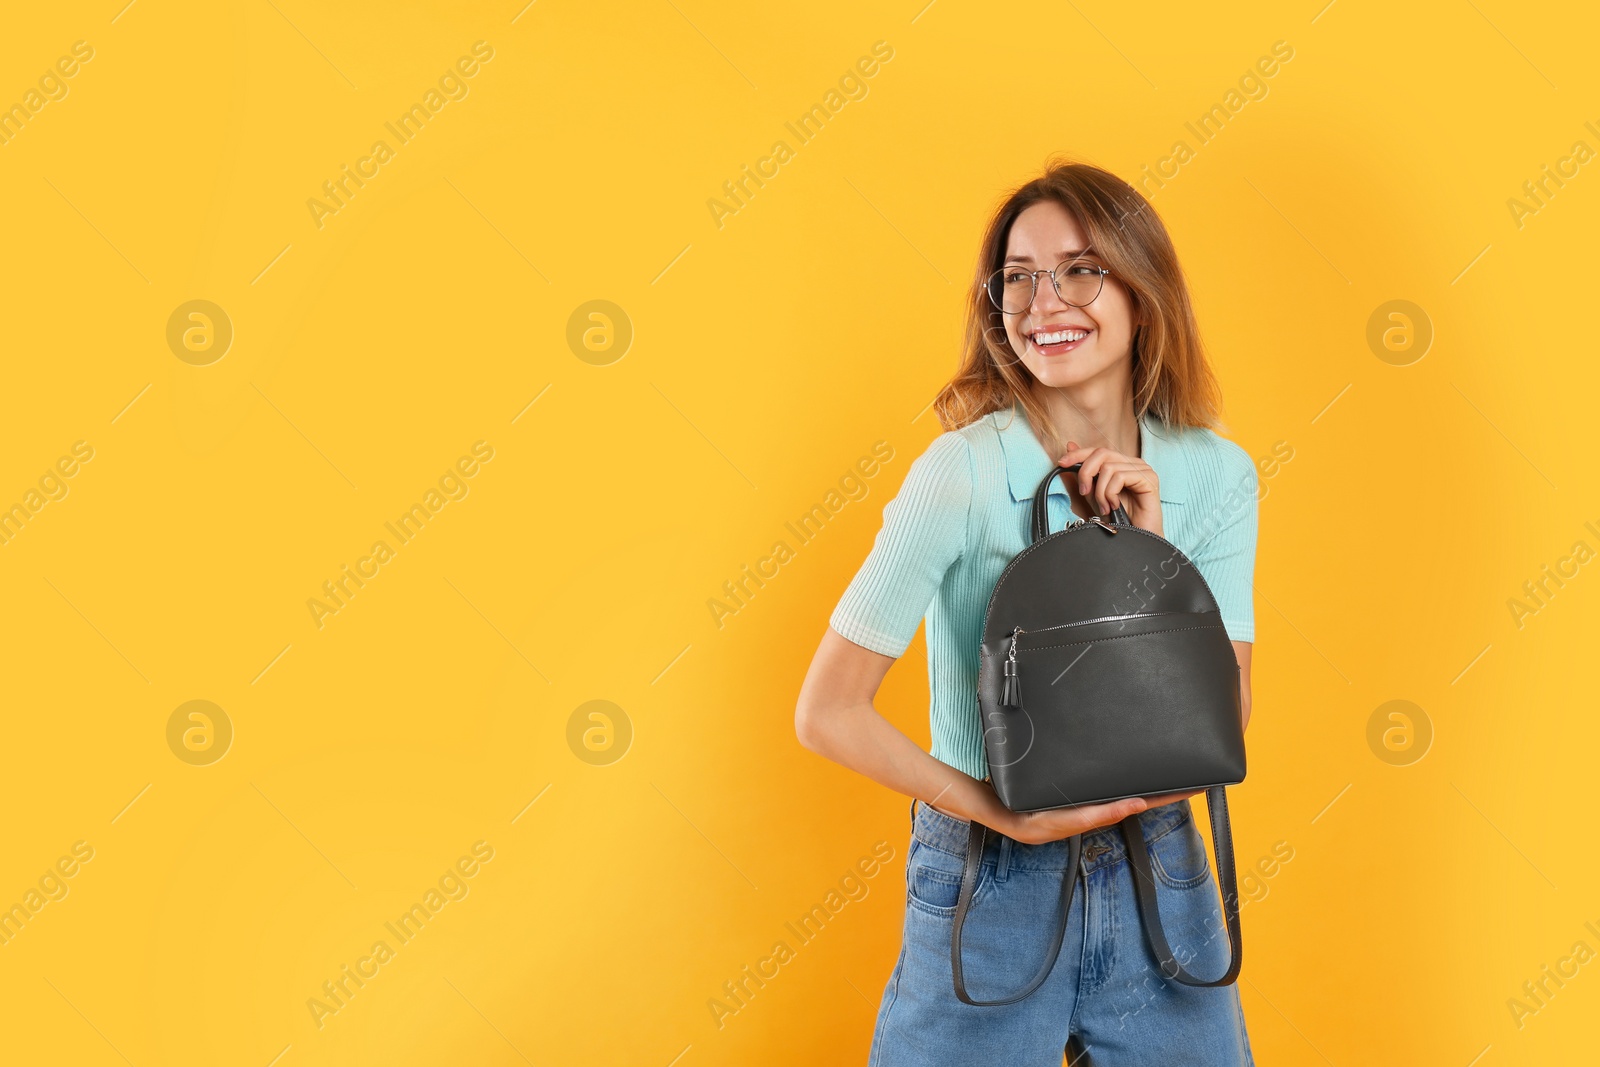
[1144, 884]
[977, 834]
[1040, 524]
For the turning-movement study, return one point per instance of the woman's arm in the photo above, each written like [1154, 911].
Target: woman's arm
[835, 718]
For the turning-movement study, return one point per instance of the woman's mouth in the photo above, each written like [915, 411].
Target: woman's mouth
[1056, 341]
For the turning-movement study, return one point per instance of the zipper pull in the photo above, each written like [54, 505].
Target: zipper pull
[1011, 691]
[1101, 522]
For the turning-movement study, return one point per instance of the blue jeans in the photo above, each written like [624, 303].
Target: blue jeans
[1105, 993]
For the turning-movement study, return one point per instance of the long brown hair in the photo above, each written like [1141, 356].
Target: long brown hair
[1171, 377]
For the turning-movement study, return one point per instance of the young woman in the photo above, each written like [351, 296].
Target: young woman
[1081, 347]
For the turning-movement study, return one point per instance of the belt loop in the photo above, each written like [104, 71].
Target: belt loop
[1003, 861]
[913, 815]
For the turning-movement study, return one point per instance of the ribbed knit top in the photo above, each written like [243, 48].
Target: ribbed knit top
[962, 514]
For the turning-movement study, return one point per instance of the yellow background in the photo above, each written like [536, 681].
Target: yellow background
[768, 354]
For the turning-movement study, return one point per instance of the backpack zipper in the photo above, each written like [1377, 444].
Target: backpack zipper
[1176, 551]
[1011, 691]
[1011, 688]
[1128, 617]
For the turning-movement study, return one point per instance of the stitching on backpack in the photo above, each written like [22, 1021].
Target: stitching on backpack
[1118, 637]
[1018, 558]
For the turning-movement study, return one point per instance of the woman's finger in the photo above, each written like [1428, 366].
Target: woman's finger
[1092, 816]
[1106, 470]
[1088, 469]
[1067, 822]
[1106, 478]
[1113, 483]
[1171, 798]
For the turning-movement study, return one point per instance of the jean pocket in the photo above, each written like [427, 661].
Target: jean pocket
[1179, 858]
[933, 881]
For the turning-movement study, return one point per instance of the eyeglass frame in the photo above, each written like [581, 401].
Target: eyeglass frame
[1033, 279]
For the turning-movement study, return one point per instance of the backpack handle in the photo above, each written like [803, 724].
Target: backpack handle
[1041, 501]
[1144, 884]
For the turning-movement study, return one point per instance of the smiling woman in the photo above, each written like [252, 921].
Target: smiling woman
[1081, 350]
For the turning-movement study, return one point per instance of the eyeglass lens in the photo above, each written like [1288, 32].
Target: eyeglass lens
[1077, 282]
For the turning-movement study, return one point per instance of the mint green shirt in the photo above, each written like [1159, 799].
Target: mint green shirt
[962, 514]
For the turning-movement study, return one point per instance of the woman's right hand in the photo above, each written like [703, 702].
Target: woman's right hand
[1041, 827]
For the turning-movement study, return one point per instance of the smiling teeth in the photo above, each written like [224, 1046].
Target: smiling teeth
[1059, 337]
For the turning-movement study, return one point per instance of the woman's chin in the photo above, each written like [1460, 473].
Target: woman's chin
[1065, 370]
[1058, 374]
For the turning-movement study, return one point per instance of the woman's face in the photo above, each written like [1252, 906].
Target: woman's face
[1044, 235]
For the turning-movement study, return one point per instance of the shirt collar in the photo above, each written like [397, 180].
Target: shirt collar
[1027, 463]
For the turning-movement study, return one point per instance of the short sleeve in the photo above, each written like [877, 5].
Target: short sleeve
[924, 533]
[1226, 557]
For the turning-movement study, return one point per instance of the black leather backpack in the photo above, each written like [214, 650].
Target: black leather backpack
[1105, 673]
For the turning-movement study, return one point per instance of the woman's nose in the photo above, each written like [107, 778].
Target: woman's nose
[1044, 293]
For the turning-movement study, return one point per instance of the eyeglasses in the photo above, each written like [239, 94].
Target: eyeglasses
[1078, 281]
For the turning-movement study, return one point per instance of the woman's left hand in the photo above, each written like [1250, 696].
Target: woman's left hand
[1109, 478]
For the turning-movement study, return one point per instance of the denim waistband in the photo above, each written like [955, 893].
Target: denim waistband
[1101, 847]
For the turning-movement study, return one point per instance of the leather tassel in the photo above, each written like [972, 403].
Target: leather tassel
[1011, 691]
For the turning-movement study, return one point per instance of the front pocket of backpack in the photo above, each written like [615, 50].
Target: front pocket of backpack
[1110, 626]
[1126, 706]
